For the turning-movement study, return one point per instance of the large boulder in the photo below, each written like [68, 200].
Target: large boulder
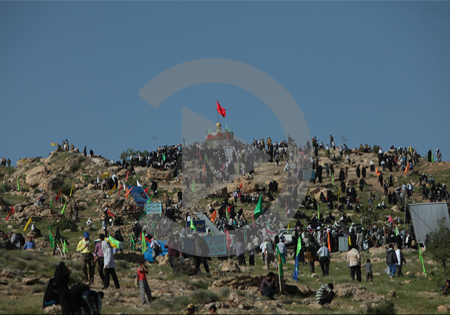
[52, 183]
[36, 176]
[154, 174]
[230, 266]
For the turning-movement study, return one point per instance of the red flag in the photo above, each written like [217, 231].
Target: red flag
[59, 195]
[240, 186]
[221, 110]
[146, 190]
[128, 172]
[390, 219]
[228, 240]
[329, 243]
[10, 213]
[111, 214]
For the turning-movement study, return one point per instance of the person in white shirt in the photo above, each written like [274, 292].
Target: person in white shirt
[282, 248]
[268, 253]
[324, 254]
[109, 265]
[156, 247]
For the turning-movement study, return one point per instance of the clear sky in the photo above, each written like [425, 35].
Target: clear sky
[375, 72]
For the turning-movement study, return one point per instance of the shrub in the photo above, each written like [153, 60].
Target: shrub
[203, 297]
[27, 255]
[66, 188]
[64, 224]
[39, 288]
[384, 308]
[225, 292]
[200, 285]
[183, 301]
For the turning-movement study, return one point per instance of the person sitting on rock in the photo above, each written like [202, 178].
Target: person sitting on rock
[268, 286]
[30, 244]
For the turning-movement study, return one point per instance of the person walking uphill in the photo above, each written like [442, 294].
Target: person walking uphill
[354, 262]
[324, 254]
[87, 248]
[98, 254]
[201, 251]
[391, 261]
[109, 265]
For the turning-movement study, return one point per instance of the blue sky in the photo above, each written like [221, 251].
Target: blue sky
[375, 72]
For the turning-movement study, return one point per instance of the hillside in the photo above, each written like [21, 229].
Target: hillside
[234, 289]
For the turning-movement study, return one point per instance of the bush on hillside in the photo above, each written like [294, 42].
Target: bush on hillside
[64, 224]
[384, 308]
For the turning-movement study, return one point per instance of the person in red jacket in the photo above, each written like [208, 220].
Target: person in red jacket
[143, 284]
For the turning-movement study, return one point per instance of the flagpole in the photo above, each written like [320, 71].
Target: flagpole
[279, 270]
[62, 245]
[217, 111]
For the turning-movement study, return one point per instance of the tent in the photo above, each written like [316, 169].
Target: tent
[425, 217]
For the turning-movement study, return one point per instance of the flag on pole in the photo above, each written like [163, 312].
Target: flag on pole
[378, 173]
[50, 236]
[297, 259]
[390, 219]
[144, 243]
[421, 259]
[28, 223]
[228, 240]
[65, 249]
[258, 209]
[11, 212]
[110, 213]
[24, 161]
[51, 202]
[71, 190]
[332, 179]
[193, 189]
[221, 110]
[64, 208]
[59, 195]
[432, 157]
[133, 243]
[128, 172]
[164, 157]
[213, 216]
[240, 186]
[407, 167]
[114, 188]
[150, 199]
[280, 264]
[328, 239]
[18, 184]
[138, 184]
[192, 226]
[54, 144]
[396, 231]
[114, 243]
[410, 150]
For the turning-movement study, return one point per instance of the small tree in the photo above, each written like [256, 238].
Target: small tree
[439, 245]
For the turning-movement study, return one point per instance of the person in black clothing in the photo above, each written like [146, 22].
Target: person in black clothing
[358, 172]
[51, 295]
[91, 153]
[91, 302]
[201, 251]
[84, 151]
[76, 297]
[268, 286]
[62, 278]
[363, 172]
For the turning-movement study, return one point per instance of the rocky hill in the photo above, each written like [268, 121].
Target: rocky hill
[232, 288]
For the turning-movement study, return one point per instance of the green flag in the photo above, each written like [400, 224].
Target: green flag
[332, 179]
[280, 264]
[51, 201]
[421, 259]
[64, 208]
[193, 186]
[258, 209]
[65, 249]
[18, 184]
[133, 243]
[164, 157]
[192, 226]
[50, 236]
[144, 243]
[396, 231]
[150, 199]
[4, 190]
[113, 241]
[299, 245]
[318, 211]
[432, 158]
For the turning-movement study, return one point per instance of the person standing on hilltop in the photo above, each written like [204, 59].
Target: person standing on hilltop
[8, 161]
[331, 141]
[84, 151]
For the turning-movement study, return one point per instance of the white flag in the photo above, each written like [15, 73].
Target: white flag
[138, 184]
